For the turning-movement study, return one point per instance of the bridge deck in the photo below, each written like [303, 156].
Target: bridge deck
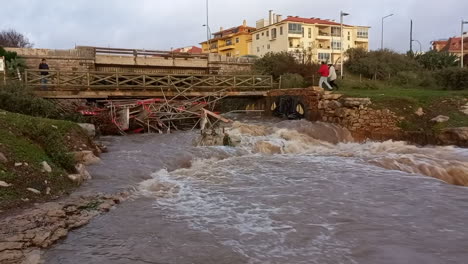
[74, 84]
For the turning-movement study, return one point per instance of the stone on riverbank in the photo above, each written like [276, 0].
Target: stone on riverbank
[46, 167]
[89, 128]
[86, 157]
[440, 119]
[39, 227]
[3, 158]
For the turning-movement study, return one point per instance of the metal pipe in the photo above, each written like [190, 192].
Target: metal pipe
[342, 14]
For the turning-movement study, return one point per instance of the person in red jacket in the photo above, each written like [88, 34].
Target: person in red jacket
[324, 72]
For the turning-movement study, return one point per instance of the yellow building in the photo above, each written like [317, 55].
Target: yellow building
[233, 42]
[313, 39]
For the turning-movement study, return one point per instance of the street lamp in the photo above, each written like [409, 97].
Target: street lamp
[420, 46]
[208, 34]
[463, 22]
[342, 14]
[381, 41]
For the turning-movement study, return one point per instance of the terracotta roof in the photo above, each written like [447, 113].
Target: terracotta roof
[454, 44]
[230, 29]
[311, 21]
[190, 50]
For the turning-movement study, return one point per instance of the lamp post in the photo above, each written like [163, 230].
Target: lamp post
[420, 46]
[342, 14]
[381, 41]
[208, 34]
[463, 22]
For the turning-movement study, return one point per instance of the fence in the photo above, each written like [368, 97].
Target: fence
[75, 80]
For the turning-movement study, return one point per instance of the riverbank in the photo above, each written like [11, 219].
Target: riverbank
[37, 158]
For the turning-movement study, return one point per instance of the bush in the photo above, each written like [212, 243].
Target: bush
[434, 60]
[292, 80]
[16, 98]
[453, 78]
[381, 64]
[280, 63]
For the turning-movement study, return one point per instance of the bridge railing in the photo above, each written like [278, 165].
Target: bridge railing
[79, 80]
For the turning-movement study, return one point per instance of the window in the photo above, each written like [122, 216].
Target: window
[268, 46]
[310, 33]
[263, 34]
[237, 40]
[295, 28]
[258, 49]
[324, 56]
[228, 42]
[258, 36]
[302, 32]
[336, 31]
[273, 33]
[281, 30]
[336, 45]
[349, 37]
[268, 33]
[363, 33]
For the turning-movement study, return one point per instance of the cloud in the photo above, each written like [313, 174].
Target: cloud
[158, 24]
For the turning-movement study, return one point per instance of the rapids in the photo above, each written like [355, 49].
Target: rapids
[289, 192]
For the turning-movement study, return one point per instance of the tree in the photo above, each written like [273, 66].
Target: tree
[280, 63]
[13, 39]
[434, 60]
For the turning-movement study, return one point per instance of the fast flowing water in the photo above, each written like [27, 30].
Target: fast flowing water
[291, 192]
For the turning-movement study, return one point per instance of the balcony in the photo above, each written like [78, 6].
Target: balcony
[226, 46]
[362, 39]
[323, 35]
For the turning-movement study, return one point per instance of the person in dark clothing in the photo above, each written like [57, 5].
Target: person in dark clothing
[44, 66]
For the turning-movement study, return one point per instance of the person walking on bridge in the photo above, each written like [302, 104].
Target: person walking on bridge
[44, 66]
[324, 73]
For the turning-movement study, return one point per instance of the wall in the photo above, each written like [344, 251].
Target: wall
[69, 60]
[355, 114]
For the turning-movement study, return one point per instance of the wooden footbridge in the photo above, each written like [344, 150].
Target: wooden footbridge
[76, 84]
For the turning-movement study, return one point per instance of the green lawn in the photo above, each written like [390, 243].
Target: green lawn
[406, 100]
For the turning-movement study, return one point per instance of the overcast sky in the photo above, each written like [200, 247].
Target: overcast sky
[165, 24]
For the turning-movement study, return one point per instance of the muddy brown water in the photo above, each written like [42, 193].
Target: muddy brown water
[314, 202]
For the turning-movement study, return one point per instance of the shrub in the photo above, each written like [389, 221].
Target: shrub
[292, 80]
[381, 64]
[280, 63]
[434, 60]
[16, 98]
[453, 78]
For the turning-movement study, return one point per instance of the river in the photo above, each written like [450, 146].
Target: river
[290, 192]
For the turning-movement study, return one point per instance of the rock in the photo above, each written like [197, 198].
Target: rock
[464, 109]
[53, 126]
[3, 158]
[46, 167]
[317, 89]
[4, 184]
[356, 102]
[33, 190]
[11, 256]
[17, 164]
[10, 245]
[440, 119]
[419, 112]
[75, 178]
[32, 257]
[81, 169]
[333, 105]
[454, 136]
[48, 191]
[86, 157]
[89, 128]
[332, 96]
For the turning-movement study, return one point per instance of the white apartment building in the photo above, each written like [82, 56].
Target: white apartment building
[312, 39]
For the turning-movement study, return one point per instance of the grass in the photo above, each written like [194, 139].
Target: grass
[405, 100]
[30, 141]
